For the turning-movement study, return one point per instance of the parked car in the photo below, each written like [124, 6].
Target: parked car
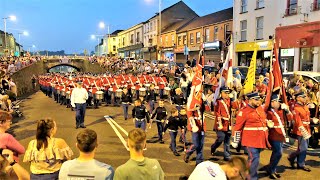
[210, 69]
[243, 72]
[306, 75]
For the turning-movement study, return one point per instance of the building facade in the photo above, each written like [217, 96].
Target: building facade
[11, 44]
[150, 38]
[298, 35]
[113, 43]
[130, 42]
[210, 31]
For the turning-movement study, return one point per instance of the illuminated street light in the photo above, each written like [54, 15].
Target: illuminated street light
[102, 25]
[12, 18]
[93, 36]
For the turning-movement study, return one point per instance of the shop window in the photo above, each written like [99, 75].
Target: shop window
[198, 37]
[207, 34]
[259, 28]
[226, 29]
[243, 27]
[215, 33]
[260, 4]
[131, 38]
[292, 7]
[191, 38]
[138, 36]
[166, 40]
[123, 41]
[151, 27]
[179, 41]
[184, 40]
[244, 4]
[172, 39]
[306, 59]
[114, 48]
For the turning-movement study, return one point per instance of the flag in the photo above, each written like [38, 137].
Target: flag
[195, 97]
[251, 76]
[226, 74]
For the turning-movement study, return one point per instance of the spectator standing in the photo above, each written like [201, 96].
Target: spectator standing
[138, 166]
[46, 153]
[85, 166]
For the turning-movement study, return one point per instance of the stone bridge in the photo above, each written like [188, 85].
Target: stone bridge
[22, 78]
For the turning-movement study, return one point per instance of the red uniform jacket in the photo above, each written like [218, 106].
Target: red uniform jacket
[301, 116]
[252, 122]
[262, 89]
[276, 133]
[198, 121]
[222, 112]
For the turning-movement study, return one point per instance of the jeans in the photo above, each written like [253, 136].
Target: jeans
[253, 160]
[125, 110]
[161, 93]
[198, 141]
[173, 136]
[160, 129]
[275, 156]
[223, 136]
[80, 113]
[301, 152]
[51, 176]
[185, 92]
[151, 105]
[140, 124]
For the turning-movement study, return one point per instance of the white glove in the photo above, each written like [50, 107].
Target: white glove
[284, 106]
[231, 95]
[270, 123]
[315, 120]
[234, 144]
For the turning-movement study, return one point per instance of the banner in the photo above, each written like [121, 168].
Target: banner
[251, 76]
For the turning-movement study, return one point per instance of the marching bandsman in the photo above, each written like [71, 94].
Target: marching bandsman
[126, 100]
[252, 128]
[301, 129]
[179, 99]
[223, 122]
[161, 114]
[277, 134]
[140, 115]
[151, 98]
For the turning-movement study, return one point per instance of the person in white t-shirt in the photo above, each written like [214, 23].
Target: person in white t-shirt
[234, 169]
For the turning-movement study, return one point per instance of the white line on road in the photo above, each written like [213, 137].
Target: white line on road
[123, 130]
[109, 120]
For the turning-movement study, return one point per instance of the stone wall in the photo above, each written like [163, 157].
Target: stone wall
[23, 77]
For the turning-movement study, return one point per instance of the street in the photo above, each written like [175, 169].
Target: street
[112, 151]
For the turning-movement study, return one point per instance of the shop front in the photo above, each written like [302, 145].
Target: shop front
[287, 59]
[213, 51]
[149, 53]
[167, 54]
[133, 51]
[305, 39]
[244, 52]
[181, 57]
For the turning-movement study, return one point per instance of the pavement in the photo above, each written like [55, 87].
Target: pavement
[111, 149]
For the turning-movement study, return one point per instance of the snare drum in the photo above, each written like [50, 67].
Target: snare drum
[63, 93]
[119, 93]
[110, 91]
[156, 90]
[147, 86]
[99, 95]
[167, 91]
[133, 90]
[142, 92]
[68, 95]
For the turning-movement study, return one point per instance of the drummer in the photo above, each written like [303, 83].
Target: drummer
[151, 98]
[126, 101]
[179, 99]
[140, 115]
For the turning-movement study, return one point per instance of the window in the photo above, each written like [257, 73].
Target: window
[114, 48]
[161, 42]
[184, 40]
[243, 27]
[259, 32]
[207, 35]
[150, 40]
[215, 33]
[179, 41]
[131, 38]
[198, 37]
[292, 7]
[151, 28]
[226, 29]
[306, 59]
[260, 4]
[138, 36]
[243, 6]
[123, 40]
[172, 39]
[166, 40]
[191, 38]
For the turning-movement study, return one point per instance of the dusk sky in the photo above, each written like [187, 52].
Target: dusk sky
[67, 24]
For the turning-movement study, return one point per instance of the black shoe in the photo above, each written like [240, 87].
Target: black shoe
[273, 176]
[186, 158]
[176, 153]
[226, 158]
[181, 141]
[161, 141]
[212, 152]
[171, 148]
[125, 119]
[278, 175]
[304, 168]
[293, 166]
[83, 126]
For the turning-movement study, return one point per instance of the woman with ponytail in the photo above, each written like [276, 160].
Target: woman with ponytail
[46, 153]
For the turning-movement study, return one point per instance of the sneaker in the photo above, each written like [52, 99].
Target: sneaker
[291, 163]
[304, 168]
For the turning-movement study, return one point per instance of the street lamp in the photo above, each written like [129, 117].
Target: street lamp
[12, 18]
[25, 33]
[102, 25]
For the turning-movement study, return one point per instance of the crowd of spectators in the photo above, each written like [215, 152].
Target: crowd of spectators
[9, 65]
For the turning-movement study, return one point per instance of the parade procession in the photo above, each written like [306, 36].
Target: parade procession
[182, 94]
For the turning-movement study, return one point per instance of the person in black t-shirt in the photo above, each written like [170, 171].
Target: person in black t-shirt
[173, 126]
[126, 100]
[161, 114]
[184, 123]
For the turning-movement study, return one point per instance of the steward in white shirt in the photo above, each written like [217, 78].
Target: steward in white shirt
[79, 97]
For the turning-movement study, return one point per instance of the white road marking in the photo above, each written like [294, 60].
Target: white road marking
[123, 130]
[109, 120]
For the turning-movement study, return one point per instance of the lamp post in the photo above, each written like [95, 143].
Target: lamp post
[94, 36]
[12, 18]
[25, 33]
